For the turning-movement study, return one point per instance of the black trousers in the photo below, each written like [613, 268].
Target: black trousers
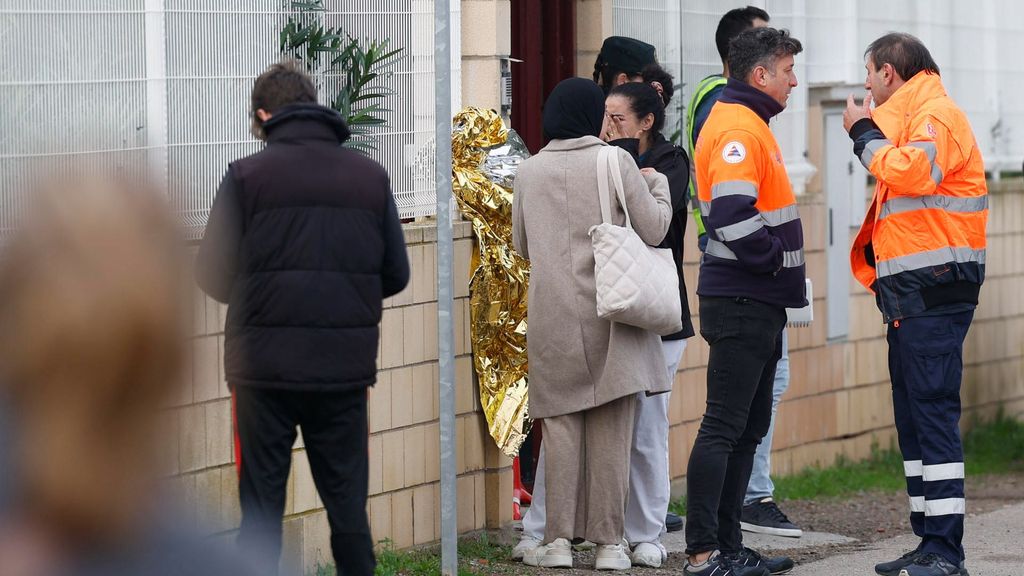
[745, 338]
[334, 429]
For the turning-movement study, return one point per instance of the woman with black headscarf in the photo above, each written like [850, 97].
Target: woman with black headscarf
[584, 371]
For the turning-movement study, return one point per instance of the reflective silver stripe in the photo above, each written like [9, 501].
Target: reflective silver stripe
[740, 229]
[937, 472]
[945, 507]
[917, 503]
[733, 188]
[793, 258]
[931, 258]
[781, 216]
[928, 147]
[705, 208]
[912, 468]
[871, 149]
[716, 248]
[947, 203]
[930, 151]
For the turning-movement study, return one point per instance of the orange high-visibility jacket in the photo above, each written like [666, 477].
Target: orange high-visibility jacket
[755, 237]
[922, 243]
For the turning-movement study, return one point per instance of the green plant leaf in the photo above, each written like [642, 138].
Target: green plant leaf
[383, 94]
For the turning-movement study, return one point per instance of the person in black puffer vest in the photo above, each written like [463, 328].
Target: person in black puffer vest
[303, 244]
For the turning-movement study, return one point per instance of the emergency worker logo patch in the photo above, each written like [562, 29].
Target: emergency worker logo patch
[734, 152]
[931, 130]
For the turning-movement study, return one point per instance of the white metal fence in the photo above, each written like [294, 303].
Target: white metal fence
[164, 85]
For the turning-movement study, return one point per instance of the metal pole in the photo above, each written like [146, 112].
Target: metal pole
[445, 332]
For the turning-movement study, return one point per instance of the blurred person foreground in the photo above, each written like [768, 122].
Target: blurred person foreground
[93, 325]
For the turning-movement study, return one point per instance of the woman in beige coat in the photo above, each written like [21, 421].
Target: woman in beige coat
[584, 371]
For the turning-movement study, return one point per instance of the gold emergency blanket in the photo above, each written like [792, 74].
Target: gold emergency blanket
[484, 159]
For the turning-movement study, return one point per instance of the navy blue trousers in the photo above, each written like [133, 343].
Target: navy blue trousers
[926, 367]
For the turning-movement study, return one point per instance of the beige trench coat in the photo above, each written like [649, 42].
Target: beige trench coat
[577, 360]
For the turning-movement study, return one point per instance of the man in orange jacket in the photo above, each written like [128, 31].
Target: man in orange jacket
[921, 251]
[751, 271]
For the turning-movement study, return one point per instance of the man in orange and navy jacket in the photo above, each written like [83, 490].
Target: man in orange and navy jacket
[751, 271]
[921, 250]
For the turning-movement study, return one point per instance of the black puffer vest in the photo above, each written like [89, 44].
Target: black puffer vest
[306, 303]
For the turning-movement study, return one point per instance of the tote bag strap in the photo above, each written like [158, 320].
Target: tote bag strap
[613, 161]
[608, 161]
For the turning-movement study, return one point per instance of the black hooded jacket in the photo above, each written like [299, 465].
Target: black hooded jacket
[303, 244]
[672, 161]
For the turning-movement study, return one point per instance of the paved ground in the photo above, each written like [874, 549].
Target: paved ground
[994, 535]
[994, 544]
[676, 541]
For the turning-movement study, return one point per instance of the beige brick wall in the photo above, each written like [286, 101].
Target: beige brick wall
[486, 37]
[593, 25]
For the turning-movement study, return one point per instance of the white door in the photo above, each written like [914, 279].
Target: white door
[845, 181]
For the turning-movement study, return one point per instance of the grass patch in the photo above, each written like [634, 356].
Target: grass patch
[994, 447]
[477, 555]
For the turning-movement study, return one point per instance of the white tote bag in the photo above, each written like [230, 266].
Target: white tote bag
[636, 284]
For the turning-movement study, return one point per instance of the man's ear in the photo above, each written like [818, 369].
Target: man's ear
[621, 79]
[263, 115]
[760, 75]
[888, 73]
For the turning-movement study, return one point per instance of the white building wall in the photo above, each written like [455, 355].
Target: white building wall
[977, 45]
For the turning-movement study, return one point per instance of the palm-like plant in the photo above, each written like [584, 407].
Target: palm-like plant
[332, 53]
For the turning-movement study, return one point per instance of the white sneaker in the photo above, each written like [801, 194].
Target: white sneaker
[557, 554]
[612, 557]
[650, 554]
[526, 543]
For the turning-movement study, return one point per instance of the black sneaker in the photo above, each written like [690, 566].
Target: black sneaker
[892, 568]
[718, 565]
[932, 565]
[764, 517]
[748, 557]
[673, 522]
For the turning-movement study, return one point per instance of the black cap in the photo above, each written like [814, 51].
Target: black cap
[627, 55]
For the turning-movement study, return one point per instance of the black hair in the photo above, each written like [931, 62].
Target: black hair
[643, 100]
[604, 74]
[760, 47]
[655, 73]
[904, 52]
[733, 23]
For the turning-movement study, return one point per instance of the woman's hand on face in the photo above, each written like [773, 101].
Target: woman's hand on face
[613, 130]
[606, 128]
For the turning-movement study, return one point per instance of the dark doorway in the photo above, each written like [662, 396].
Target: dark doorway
[544, 38]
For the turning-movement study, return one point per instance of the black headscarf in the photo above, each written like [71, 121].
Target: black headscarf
[574, 109]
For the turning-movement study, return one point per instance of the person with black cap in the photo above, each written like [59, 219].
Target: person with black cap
[585, 372]
[622, 60]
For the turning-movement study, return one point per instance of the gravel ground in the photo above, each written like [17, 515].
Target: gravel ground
[868, 517]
